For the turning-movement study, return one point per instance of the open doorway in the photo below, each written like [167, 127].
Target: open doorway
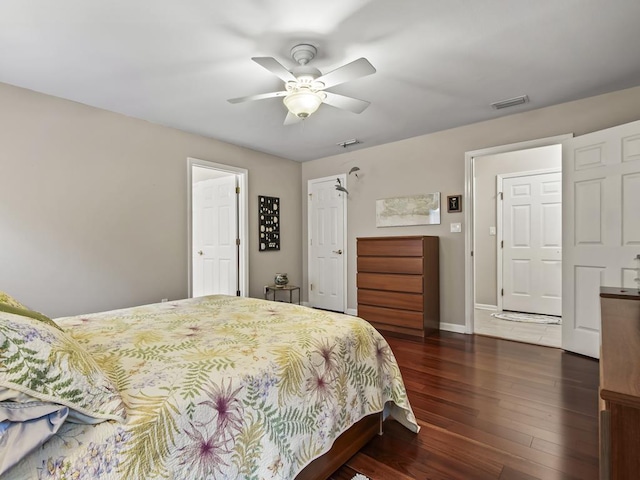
[218, 254]
[516, 234]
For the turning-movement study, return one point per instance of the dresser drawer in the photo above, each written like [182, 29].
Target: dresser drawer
[390, 316]
[390, 282]
[398, 247]
[409, 265]
[402, 301]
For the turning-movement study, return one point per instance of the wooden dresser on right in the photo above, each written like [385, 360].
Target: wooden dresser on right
[398, 283]
[620, 384]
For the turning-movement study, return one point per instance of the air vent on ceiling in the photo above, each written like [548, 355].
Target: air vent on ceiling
[348, 143]
[510, 102]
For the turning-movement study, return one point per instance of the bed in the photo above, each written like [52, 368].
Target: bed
[211, 387]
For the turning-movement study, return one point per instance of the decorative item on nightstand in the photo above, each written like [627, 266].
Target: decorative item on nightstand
[281, 280]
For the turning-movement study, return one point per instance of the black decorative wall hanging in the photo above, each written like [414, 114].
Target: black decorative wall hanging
[269, 219]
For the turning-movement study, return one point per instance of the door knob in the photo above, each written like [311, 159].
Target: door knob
[200, 252]
[339, 252]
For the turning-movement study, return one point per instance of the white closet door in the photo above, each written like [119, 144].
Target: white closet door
[215, 226]
[327, 250]
[532, 251]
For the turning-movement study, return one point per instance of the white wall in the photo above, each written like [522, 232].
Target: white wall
[486, 170]
[93, 206]
[435, 163]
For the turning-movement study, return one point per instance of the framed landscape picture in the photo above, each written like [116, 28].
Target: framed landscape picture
[421, 209]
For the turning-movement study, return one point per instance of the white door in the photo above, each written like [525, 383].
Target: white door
[327, 274]
[601, 239]
[532, 243]
[215, 227]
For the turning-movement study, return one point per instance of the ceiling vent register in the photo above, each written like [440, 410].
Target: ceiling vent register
[510, 102]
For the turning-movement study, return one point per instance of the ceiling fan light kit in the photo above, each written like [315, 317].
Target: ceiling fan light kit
[303, 103]
[304, 85]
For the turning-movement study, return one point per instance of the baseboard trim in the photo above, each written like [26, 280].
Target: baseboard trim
[482, 306]
[349, 311]
[453, 327]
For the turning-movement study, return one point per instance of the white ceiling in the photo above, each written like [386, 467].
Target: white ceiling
[439, 63]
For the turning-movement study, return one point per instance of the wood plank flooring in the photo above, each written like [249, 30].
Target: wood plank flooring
[488, 409]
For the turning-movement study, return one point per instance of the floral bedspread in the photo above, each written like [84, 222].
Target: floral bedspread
[223, 387]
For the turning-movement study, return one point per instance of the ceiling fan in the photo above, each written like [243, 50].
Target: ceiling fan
[305, 86]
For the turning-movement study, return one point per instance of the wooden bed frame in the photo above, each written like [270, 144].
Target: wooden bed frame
[345, 446]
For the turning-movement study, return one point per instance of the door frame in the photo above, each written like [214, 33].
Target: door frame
[469, 191]
[343, 180]
[242, 176]
[500, 212]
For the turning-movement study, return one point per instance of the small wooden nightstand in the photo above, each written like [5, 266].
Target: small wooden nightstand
[273, 289]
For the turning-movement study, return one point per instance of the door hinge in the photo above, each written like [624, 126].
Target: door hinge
[237, 189]
[311, 241]
[237, 241]
[501, 195]
[501, 243]
[472, 253]
[311, 287]
[237, 293]
[502, 292]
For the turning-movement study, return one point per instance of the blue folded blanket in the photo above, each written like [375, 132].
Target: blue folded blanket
[24, 426]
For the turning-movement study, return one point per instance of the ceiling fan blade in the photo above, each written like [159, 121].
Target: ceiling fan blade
[290, 119]
[354, 105]
[350, 71]
[275, 67]
[261, 96]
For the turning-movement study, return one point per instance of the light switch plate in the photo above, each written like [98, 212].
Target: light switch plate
[456, 227]
[492, 231]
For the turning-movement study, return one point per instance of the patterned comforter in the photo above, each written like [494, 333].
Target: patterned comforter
[223, 387]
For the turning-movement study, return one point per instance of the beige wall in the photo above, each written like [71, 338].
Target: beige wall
[435, 163]
[486, 170]
[93, 206]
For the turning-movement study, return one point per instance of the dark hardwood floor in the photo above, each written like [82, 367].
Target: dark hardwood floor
[488, 409]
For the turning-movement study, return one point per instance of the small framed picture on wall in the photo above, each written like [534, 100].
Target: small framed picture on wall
[454, 203]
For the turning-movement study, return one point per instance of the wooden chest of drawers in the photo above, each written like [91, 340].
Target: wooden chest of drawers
[398, 283]
[620, 384]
